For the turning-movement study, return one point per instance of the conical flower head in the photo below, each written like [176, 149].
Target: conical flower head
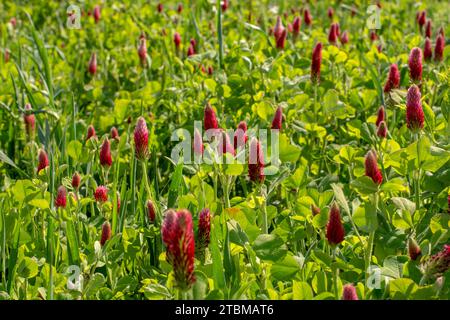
[278, 29]
[380, 116]
[296, 25]
[204, 229]
[281, 41]
[371, 167]
[422, 18]
[330, 12]
[307, 17]
[106, 233]
[151, 212]
[101, 194]
[141, 139]
[428, 29]
[393, 81]
[210, 120]
[93, 64]
[198, 142]
[97, 13]
[240, 136]
[177, 40]
[114, 134]
[225, 5]
[439, 48]
[90, 132]
[29, 120]
[438, 263]
[382, 130]
[373, 36]
[142, 50]
[415, 65]
[427, 50]
[349, 292]
[191, 51]
[414, 111]
[344, 38]
[413, 249]
[61, 197]
[277, 119]
[76, 180]
[335, 229]
[42, 160]
[316, 62]
[105, 154]
[332, 34]
[180, 8]
[178, 236]
[256, 161]
[224, 145]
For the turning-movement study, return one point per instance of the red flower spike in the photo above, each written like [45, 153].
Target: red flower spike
[141, 139]
[240, 136]
[278, 29]
[281, 40]
[97, 13]
[438, 263]
[204, 229]
[393, 81]
[349, 292]
[93, 64]
[296, 25]
[330, 12]
[190, 51]
[101, 194]
[224, 145]
[105, 154]
[373, 36]
[428, 29]
[210, 120]
[382, 130]
[414, 111]
[29, 120]
[61, 197]
[307, 17]
[332, 35]
[198, 142]
[76, 180]
[316, 62]
[277, 119]
[210, 70]
[380, 116]
[344, 38]
[371, 167]
[422, 18]
[256, 161]
[177, 40]
[225, 5]
[335, 229]
[439, 48]
[151, 212]
[413, 249]
[415, 65]
[142, 50]
[90, 132]
[180, 8]
[114, 134]
[106, 233]
[42, 160]
[160, 7]
[178, 236]
[427, 50]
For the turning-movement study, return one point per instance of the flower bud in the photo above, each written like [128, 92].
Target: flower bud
[335, 230]
[371, 167]
[61, 197]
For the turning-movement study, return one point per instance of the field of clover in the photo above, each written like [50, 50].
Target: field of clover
[351, 201]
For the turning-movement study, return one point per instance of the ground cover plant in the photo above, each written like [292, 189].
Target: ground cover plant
[345, 197]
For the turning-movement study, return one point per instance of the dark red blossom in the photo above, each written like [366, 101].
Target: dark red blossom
[381, 115]
[439, 48]
[335, 229]
[141, 139]
[240, 136]
[330, 12]
[76, 179]
[414, 111]
[101, 194]
[349, 292]
[191, 51]
[332, 34]
[151, 212]
[160, 7]
[280, 42]
[29, 120]
[422, 19]
[296, 25]
[198, 142]
[277, 119]
[278, 29]
[93, 64]
[413, 249]
[256, 161]
[316, 62]
[178, 236]
[90, 132]
[106, 233]
[180, 8]
[415, 65]
[225, 5]
[382, 130]
[204, 229]
[177, 40]
[42, 160]
[210, 120]
[428, 29]
[114, 134]
[371, 167]
[142, 51]
[393, 81]
[105, 154]
[61, 197]
[307, 17]
[97, 13]
[438, 263]
[344, 38]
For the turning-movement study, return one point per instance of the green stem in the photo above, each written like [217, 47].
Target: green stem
[368, 255]
[335, 276]
[417, 184]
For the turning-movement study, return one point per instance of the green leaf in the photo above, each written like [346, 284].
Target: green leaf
[285, 269]
[95, 283]
[404, 204]
[365, 217]
[402, 288]
[364, 185]
[340, 197]
[155, 291]
[74, 149]
[39, 203]
[394, 185]
[28, 268]
[301, 291]
[175, 185]
[270, 247]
